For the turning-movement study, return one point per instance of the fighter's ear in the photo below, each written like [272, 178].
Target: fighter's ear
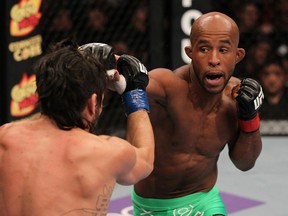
[240, 54]
[89, 111]
[92, 103]
[188, 51]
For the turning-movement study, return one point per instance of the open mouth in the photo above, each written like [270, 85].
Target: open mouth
[214, 76]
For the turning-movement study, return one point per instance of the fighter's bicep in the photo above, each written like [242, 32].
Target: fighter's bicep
[127, 176]
[124, 160]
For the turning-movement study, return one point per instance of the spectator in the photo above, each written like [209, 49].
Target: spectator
[62, 21]
[256, 57]
[248, 18]
[267, 26]
[281, 16]
[96, 19]
[138, 32]
[121, 47]
[284, 61]
[96, 23]
[275, 104]
[59, 26]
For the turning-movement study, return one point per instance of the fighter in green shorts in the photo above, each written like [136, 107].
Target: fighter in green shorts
[198, 204]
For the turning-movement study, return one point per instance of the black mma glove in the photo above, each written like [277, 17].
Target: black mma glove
[105, 54]
[250, 98]
[134, 71]
[136, 76]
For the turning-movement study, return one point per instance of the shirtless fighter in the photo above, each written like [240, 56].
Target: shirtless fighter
[53, 165]
[195, 111]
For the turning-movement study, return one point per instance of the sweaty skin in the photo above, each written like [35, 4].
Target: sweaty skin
[194, 114]
[47, 171]
[54, 177]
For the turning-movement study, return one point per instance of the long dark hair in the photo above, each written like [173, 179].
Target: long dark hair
[65, 79]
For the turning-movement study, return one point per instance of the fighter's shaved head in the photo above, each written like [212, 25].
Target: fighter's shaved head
[214, 23]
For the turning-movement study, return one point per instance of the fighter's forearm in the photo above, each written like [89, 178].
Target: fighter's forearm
[140, 135]
[246, 150]
[247, 147]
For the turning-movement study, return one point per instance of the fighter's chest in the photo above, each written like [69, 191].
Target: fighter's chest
[205, 133]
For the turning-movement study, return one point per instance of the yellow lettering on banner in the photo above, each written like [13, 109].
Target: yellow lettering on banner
[23, 96]
[25, 16]
[19, 93]
[18, 13]
[29, 48]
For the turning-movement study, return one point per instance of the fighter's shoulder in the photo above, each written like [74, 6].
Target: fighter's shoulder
[121, 150]
[110, 148]
[9, 131]
[160, 73]
[167, 75]
[183, 72]
[7, 127]
[114, 142]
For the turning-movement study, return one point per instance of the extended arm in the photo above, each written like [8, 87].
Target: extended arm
[139, 129]
[131, 84]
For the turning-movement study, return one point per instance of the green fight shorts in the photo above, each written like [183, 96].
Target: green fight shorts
[197, 204]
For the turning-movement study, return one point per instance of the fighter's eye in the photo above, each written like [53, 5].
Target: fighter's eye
[204, 49]
[223, 50]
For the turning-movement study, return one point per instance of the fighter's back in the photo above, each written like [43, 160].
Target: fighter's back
[47, 171]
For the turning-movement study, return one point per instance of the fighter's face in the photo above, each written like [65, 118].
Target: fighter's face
[214, 57]
[214, 50]
[273, 79]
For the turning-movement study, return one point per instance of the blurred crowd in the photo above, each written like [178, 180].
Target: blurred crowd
[121, 23]
[263, 26]
[124, 24]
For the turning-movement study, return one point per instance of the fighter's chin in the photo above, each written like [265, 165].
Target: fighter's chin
[214, 87]
[211, 91]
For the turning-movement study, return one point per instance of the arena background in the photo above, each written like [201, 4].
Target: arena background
[155, 31]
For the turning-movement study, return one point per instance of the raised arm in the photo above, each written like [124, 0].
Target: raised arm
[139, 129]
[246, 148]
[131, 84]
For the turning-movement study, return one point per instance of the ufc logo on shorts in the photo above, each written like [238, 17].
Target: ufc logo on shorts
[142, 68]
[259, 99]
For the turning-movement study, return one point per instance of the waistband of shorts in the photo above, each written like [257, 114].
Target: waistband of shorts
[154, 204]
